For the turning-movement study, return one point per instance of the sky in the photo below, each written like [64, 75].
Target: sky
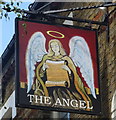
[7, 27]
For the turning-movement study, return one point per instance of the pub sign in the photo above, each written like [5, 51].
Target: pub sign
[57, 67]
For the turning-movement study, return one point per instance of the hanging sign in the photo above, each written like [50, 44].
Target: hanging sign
[56, 67]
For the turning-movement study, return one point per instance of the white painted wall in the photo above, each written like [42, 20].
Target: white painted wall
[113, 107]
[8, 110]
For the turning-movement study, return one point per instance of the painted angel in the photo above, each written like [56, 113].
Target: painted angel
[70, 87]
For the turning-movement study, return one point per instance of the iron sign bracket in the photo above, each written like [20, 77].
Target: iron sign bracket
[103, 23]
[52, 14]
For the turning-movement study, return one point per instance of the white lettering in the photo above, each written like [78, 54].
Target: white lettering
[63, 102]
[74, 103]
[58, 102]
[30, 97]
[47, 100]
[88, 105]
[38, 99]
[82, 104]
[66, 102]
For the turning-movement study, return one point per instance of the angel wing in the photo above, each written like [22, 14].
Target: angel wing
[35, 51]
[80, 54]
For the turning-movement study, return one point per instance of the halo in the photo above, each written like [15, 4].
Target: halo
[49, 33]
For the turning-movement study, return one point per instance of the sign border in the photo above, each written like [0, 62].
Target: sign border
[17, 83]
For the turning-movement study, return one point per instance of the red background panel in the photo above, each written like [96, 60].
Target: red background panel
[26, 29]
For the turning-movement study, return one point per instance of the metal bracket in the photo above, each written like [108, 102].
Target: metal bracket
[51, 14]
[75, 19]
[79, 8]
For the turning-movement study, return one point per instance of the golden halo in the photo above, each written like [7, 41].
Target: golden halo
[49, 33]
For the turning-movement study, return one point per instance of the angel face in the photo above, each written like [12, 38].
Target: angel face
[55, 47]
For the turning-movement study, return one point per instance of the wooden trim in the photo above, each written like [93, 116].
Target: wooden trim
[89, 91]
[23, 84]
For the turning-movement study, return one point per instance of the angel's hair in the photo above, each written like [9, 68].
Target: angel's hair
[50, 51]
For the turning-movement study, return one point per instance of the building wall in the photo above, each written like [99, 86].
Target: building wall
[107, 60]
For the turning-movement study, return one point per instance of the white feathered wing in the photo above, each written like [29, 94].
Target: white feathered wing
[35, 51]
[80, 54]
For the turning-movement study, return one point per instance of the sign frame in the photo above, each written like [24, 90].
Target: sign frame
[17, 85]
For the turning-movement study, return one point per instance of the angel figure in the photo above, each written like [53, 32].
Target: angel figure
[48, 81]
